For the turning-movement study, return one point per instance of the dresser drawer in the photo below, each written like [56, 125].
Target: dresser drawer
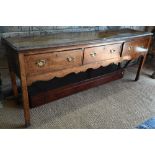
[136, 47]
[41, 63]
[101, 53]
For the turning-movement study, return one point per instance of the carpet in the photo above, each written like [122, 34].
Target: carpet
[121, 104]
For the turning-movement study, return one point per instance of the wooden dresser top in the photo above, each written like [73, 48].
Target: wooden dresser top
[71, 38]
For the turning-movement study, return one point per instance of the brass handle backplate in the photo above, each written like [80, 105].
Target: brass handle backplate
[70, 59]
[41, 63]
[112, 51]
[129, 48]
[93, 54]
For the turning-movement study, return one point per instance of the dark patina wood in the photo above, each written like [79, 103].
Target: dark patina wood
[54, 94]
[43, 58]
[21, 44]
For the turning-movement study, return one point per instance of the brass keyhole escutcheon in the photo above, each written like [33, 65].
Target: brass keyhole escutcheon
[93, 54]
[103, 48]
[41, 63]
[70, 59]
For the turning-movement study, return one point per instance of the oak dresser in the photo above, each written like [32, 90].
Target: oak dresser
[42, 58]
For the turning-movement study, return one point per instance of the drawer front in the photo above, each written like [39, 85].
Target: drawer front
[41, 63]
[135, 48]
[101, 53]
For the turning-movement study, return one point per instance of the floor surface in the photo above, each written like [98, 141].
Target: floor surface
[116, 105]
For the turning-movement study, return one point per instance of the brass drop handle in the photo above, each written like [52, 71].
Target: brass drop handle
[41, 63]
[70, 59]
[112, 51]
[93, 54]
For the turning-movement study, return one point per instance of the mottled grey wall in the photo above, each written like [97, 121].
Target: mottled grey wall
[21, 30]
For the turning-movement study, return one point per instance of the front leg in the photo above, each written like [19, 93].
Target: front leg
[141, 63]
[24, 90]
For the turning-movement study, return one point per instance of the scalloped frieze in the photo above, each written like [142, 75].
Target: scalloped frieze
[76, 70]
